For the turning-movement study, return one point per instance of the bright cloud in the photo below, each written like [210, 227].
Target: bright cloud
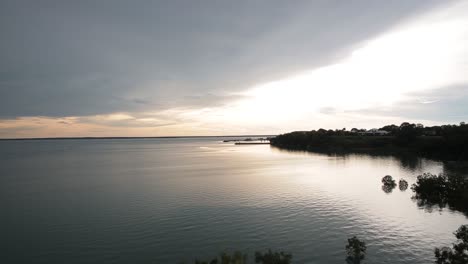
[423, 54]
[426, 53]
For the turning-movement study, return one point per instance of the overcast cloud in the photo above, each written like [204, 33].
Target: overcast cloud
[82, 59]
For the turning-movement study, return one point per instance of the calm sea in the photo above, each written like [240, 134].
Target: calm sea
[170, 200]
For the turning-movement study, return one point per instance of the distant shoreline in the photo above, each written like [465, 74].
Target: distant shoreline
[95, 138]
[445, 142]
[252, 143]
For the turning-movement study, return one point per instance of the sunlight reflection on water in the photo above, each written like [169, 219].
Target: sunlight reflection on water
[166, 200]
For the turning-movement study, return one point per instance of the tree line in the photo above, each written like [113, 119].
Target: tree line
[446, 142]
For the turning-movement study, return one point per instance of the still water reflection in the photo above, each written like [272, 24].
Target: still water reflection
[166, 200]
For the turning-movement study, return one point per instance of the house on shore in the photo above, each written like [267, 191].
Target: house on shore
[374, 132]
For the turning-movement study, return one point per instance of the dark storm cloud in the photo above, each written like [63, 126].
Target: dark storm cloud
[73, 58]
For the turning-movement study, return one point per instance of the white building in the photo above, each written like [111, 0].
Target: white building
[375, 132]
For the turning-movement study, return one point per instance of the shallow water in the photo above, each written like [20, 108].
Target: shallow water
[168, 200]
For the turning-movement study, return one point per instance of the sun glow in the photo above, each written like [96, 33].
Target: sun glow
[365, 89]
[422, 54]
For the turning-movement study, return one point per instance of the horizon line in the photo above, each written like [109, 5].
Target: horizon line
[130, 137]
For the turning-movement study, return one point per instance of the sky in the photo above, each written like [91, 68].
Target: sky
[192, 68]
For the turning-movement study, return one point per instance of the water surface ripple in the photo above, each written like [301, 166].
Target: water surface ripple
[168, 200]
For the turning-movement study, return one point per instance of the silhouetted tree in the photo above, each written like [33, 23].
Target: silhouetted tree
[388, 184]
[236, 258]
[442, 190]
[458, 254]
[388, 180]
[407, 133]
[403, 185]
[214, 261]
[355, 250]
[273, 257]
[432, 188]
[388, 188]
[393, 129]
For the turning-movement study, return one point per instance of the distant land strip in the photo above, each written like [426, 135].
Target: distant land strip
[445, 142]
[162, 137]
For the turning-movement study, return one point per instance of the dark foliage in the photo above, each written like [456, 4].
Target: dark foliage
[237, 257]
[442, 190]
[273, 257]
[388, 184]
[388, 180]
[447, 142]
[356, 250]
[388, 188]
[458, 254]
[403, 185]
